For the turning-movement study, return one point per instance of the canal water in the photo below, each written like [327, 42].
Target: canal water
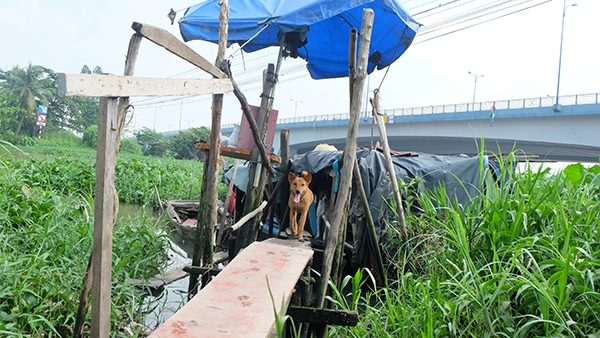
[174, 295]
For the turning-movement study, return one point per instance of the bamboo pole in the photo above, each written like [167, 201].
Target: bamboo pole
[372, 231]
[203, 245]
[390, 167]
[349, 155]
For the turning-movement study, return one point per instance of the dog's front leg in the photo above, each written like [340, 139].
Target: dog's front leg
[293, 217]
[300, 226]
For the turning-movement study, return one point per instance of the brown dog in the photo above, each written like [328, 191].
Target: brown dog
[301, 197]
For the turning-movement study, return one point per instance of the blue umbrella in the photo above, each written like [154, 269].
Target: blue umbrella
[314, 30]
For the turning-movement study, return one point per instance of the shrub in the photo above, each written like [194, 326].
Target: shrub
[129, 146]
[60, 138]
[90, 136]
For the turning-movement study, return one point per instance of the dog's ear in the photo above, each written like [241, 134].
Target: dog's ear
[307, 177]
[291, 177]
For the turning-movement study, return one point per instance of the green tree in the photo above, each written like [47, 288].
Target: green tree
[182, 145]
[152, 143]
[90, 136]
[9, 116]
[70, 113]
[29, 85]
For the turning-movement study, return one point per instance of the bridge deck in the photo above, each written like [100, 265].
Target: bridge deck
[237, 302]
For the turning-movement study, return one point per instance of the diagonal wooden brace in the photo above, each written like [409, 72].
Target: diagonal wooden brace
[167, 40]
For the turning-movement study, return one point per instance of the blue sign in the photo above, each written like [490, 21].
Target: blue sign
[42, 109]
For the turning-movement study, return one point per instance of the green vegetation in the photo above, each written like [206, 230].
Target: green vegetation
[23, 89]
[522, 260]
[46, 196]
[45, 241]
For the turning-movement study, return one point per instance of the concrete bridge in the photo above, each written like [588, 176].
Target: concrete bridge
[535, 127]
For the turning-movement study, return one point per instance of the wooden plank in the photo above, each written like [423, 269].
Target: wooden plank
[237, 302]
[104, 205]
[106, 85]
[242, 154]
[167, 40]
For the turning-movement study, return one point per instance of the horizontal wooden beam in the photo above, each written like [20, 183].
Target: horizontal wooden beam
[167, 40]
[92, 85]
[323, 316]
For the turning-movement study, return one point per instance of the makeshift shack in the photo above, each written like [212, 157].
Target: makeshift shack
[461, 176]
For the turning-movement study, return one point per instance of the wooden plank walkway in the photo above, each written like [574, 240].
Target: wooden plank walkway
[236, 303]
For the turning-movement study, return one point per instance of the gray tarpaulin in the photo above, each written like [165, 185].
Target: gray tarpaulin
[459, 174]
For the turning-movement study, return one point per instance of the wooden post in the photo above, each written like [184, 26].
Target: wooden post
[203, 245]
[225, 66]
[370, 223]
[284, 143]
[349, 156]
[104, 208]
[390, 167]
[132, 53]
[257, 174]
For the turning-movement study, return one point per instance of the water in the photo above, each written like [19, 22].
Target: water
[555, 167]
[173, 295]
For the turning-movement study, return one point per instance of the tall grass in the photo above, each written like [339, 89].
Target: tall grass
[135, 179]
[45, 241]
[521, 260]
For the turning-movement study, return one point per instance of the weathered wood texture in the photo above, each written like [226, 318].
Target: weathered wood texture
[207, 214]
[237, 303]
[242, 154]
[349, 156]
[104, 206]
[106, 85]
[130, 60]
[390, 168]
[257, 173]
[251, 122]
[167, 40]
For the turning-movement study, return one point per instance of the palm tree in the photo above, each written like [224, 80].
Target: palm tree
[26, 84]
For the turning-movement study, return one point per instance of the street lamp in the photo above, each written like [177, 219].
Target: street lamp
[562, 29]
[295, 107]
[475, 76]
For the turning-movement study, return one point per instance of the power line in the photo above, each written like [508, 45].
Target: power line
[249, 72]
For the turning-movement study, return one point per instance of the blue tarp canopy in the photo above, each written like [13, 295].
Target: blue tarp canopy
[317, 30]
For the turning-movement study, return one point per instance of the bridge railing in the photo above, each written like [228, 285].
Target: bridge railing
[547, 101]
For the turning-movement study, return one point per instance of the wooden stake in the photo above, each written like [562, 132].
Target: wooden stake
[257, 175]
[390, 167]
[349, 156]
[370, 223]
[248, 216]
[130, 60]
[203, 245]
[225, 66]
[104, 206]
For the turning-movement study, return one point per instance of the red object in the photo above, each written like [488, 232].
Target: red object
[231, 206]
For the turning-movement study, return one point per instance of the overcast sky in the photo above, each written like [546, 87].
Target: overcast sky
[517, 54]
